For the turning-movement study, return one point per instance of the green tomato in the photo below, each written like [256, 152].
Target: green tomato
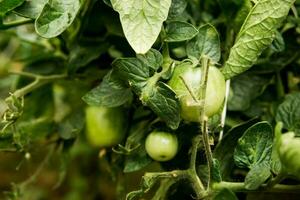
[289, 153]
[105, 126]
[161, 146]
[215, 91]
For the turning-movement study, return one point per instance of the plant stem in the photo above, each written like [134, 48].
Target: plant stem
[224, 111]
[14, 24]
[203, 117]
[276, 180]
[240, 187]
[38, 82]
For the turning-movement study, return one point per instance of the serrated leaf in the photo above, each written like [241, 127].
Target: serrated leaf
[256, 34]
[141, 21]
[288, 113]
[255, 146]
[134, 71]
[137, 70]
[152, 59]
[56, 17]
[31, 8]
[257, 175]
[177, 31]
[110, 93]
[8, 5]
[225, 149]
[162, 100]
[206, 42]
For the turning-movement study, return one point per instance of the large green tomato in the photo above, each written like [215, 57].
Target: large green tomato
[215, 91]
[161, 146]
[289, 153]
[105, 126]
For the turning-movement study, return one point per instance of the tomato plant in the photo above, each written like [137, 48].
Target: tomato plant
[96, 96]
[161, 146]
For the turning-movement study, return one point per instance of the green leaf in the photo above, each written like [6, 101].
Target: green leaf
[140, 75]
[225, 149]
[8, 5]
[162, 100]
[110, 93]
[56, 17]
[257, 176]
[255, 146]
[225, 194]
[72, 125]
[216, 174]
[137, 160]
[207, 43]
[31, 8]
[81, 55]
[256, 34]
[152, 59]
[176, 9]
[141, 21]
[177, 31]
[288, 113]
[245, 88]
[134, 71]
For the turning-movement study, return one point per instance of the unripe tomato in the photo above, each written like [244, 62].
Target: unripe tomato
[289, 153]
[105, 126]
[161, 146]
[215, 91]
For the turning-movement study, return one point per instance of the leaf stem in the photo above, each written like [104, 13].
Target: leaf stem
[39, 81]
[14, 24]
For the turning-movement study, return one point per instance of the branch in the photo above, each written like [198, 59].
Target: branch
[240, 187]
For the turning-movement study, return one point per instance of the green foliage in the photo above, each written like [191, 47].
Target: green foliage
[141, 21]
[56, 17]
[289, 113]
[256, 34]
[61, 59]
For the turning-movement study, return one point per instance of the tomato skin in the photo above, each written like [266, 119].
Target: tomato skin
[105, 126]
[215, 91]
[161, 146]
[289, 153]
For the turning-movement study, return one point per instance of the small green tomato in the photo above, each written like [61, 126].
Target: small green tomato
[161, 146]
[215, 91]
[105, 126]
[289, 153]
